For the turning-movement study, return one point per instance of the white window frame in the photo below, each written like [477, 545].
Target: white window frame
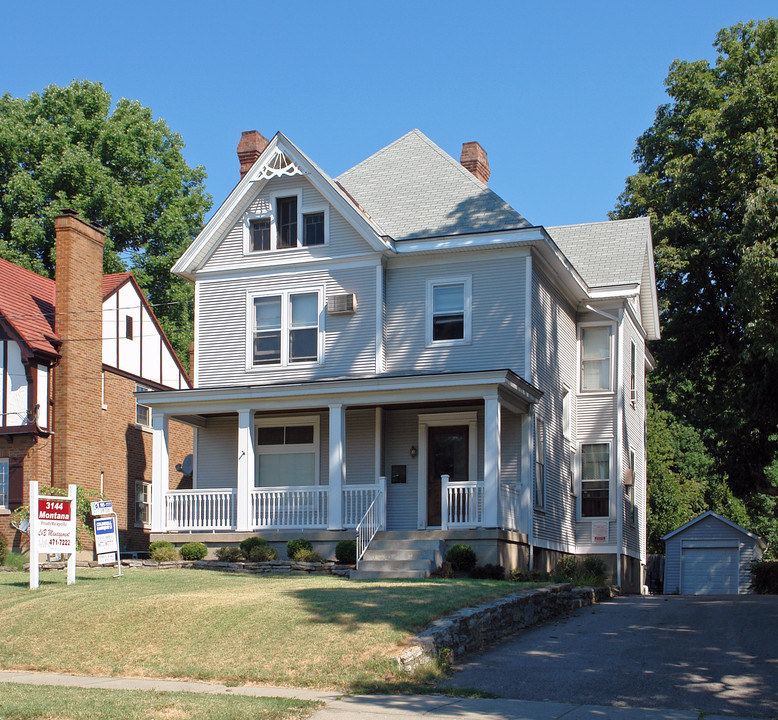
[467, 282]
[539, 476]
[271, 215]
[581, 482]
[286, 314]
[567, 413]
[289, 421]
[138, 405]
[148, 505]
[612, 365]
[5, 482]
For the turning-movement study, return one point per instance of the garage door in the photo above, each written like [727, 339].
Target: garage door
[709, 570]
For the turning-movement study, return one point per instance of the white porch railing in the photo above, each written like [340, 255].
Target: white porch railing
[510, 507]
[289, 507]
[200, 509]
[356, 500]
[462, 503]
[373, 519]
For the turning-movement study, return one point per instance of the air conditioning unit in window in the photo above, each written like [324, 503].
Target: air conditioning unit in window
[342, 304]
[629, 477]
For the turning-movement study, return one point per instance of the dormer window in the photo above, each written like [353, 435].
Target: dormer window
[286, 212]
[283, 222]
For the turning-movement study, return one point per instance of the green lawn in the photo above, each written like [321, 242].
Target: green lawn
[32, 702]
[306, 631]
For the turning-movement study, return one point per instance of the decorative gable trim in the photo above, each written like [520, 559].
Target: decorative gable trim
[280, 158]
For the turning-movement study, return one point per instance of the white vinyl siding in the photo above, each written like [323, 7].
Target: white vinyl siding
[217, 453]
[497, 317]
[553, 369]
[348, 340]
[342, 238]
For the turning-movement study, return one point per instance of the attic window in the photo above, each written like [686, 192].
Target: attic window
[128, 327]
[285, 223]
[313, 228]
[260, 234]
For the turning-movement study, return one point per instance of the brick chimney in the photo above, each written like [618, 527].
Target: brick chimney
[77, 378]
[250, 147]
[474, 159]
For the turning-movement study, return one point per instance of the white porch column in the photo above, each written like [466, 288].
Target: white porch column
[492, 460]
[245, 470]
[160, 472]
[337, 474]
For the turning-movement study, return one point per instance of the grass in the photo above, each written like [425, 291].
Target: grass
[28, 702]
[305, 631]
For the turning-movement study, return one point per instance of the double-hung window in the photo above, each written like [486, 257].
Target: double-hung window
[5, 475]
[596, 358]
[287, 452]
[595, 480]
[142, 412]
[285, 328]
[285, 223]
[142, 504]
[449, 304]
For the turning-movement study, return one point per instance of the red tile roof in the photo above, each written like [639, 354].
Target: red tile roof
[111, 282]
[27, 304]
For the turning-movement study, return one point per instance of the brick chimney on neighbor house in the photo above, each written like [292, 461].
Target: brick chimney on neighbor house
[250, 147]
[474, 159]
[78, 376]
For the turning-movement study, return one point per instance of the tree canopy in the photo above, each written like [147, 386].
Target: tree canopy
[708, 178]
[120, 168]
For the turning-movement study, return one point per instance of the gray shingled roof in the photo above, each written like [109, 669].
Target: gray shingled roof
[605, 253]
[413, 189]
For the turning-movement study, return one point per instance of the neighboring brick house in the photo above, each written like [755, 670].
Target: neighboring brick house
[72, 354]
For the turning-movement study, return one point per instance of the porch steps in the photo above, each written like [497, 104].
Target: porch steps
[392, 557]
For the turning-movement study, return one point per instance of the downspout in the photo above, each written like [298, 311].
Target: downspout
[619, 437]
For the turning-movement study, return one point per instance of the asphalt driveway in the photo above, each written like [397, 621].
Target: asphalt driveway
[713, 654]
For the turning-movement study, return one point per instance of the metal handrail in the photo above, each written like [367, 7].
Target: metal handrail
[371, 521]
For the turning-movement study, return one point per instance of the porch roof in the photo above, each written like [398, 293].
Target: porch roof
[513, 391]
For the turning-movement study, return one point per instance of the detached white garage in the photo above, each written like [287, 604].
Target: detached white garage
[710, 555]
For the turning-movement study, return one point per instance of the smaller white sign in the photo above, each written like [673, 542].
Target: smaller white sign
[105, 540]
[102, 507]
[600, 531]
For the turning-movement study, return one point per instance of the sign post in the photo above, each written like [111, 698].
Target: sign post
[52, 530]
[106, 534]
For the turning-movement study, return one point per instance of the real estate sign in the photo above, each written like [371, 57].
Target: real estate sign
[106, 545]
[52, 530]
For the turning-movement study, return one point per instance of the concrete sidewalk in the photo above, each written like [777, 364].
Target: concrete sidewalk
[370, 707]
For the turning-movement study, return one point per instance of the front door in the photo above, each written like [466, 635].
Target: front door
[447, 454]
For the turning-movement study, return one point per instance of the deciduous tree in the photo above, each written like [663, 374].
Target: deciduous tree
[67, 148]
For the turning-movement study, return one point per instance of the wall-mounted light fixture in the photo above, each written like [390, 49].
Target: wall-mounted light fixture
[414, 451]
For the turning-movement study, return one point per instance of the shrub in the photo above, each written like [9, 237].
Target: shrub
[594, 566]
[193, 551]
[584, 571]
[163, 551]
[526, 575]
[251, 542]
[461, 557]
[346, 552]
[488, 572]
[3, 549]
[263, 552]
[229, 553]
[306, 555]
[444, 571]
[565, 568]
[15, 560]
[293, 547]
[764, 577]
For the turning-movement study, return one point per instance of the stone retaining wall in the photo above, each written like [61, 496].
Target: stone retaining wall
[472, 629]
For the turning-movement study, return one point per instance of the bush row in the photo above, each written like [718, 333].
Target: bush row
[764, 577]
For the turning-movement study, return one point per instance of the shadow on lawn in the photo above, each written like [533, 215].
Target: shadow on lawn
[405, 608]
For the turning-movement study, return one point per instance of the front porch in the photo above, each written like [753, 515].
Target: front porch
[422, 453]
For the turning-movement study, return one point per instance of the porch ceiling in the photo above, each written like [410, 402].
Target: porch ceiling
[513, 391]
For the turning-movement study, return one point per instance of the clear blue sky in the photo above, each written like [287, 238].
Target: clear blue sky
[556, 92]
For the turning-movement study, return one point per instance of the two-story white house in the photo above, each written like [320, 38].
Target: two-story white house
[400, 351]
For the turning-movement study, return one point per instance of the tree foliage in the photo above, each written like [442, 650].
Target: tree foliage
[708, 177]
[120, 168]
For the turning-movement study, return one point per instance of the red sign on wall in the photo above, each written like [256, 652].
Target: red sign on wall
[54, 510]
